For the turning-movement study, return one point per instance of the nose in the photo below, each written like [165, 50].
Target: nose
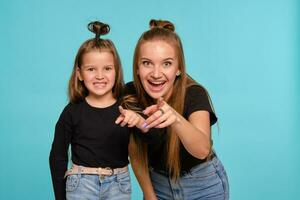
[156, 73]
[99, 74]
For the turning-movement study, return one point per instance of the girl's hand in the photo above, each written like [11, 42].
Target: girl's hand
[131, 119]
[160, 115]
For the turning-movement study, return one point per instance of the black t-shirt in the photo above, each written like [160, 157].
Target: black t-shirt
[96, 141]
[196, 99]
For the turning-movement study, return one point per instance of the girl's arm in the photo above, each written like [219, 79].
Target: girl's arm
[131, 119]
[58, 158]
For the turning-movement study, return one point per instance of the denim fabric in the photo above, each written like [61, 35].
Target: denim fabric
[84, 186]
[205, 181]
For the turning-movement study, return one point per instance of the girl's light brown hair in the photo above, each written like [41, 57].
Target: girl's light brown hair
[77, 90]
[163, 31]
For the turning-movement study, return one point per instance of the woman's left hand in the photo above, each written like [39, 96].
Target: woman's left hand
[160, 115]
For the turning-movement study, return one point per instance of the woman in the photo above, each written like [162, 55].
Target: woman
[174, 158]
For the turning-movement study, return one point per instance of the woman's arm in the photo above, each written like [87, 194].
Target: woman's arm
[193, 132]
[141, 174]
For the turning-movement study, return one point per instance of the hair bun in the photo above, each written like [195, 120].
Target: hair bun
[98, 28]
[162, 24]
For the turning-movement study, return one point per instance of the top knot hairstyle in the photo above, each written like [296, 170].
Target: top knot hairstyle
[99, 29]
[77, 90]
[162, 24]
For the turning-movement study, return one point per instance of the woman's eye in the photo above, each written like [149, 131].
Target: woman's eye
[167, 64]
[146, 63]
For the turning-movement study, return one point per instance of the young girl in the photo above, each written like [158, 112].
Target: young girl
[99, 147]
[174, 159]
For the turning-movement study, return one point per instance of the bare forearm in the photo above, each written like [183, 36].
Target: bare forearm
[195, 141]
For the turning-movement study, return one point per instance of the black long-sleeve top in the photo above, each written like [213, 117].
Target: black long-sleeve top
[96, 141]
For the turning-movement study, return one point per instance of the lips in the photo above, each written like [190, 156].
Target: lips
[99, 84]
[156, 86]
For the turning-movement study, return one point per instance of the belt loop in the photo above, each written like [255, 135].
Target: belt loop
[79, 171]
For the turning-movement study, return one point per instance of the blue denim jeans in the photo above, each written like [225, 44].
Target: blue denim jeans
[205, 181]
[85, 186]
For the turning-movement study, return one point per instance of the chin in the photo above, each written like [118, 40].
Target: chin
[155, 95]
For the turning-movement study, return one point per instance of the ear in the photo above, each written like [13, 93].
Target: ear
[137, 71]
[178, 73]
[78, 74]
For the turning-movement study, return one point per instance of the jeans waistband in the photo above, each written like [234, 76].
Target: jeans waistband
[211, 156]
[107, 171]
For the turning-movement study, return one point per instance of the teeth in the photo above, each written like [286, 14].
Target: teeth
[157, 83]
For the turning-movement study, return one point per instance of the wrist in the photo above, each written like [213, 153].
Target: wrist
[151, 196]
[178, 121]
[141, 125]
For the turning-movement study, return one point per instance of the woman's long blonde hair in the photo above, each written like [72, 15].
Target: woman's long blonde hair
[162, 31]
[77, 90]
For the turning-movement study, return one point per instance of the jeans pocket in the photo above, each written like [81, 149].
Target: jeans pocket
[72, 183]
[223, 177]
[124, 182]
[202, 171]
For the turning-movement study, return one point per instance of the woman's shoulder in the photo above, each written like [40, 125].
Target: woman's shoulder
[197, 98]
[196, 90]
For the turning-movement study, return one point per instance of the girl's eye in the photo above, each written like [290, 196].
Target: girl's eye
[90, 69]
[108, 68]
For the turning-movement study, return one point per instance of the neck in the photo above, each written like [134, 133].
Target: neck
[100, 101]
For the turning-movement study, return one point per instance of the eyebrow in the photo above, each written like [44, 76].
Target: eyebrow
[143, 58]
[92, 65]
[169, 59]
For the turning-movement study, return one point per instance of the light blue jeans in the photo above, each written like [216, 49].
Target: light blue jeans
[85, 186]
[205, 181]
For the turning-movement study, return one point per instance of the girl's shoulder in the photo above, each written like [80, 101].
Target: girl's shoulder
[72, 107]
[71, 112]
[129, 88]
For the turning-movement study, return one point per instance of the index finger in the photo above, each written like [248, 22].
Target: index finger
[150, 110]
[160, 102]
[156, 115]
[122, 110]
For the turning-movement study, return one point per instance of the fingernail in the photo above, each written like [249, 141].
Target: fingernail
[144, 125]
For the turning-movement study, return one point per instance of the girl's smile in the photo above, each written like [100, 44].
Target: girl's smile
[98, 74]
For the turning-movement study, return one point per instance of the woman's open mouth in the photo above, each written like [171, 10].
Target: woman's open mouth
[156, 86]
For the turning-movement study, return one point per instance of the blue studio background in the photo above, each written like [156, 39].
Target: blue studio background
[245, 52]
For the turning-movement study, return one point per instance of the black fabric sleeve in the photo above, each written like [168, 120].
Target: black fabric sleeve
[197, 99]
[58, 158]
